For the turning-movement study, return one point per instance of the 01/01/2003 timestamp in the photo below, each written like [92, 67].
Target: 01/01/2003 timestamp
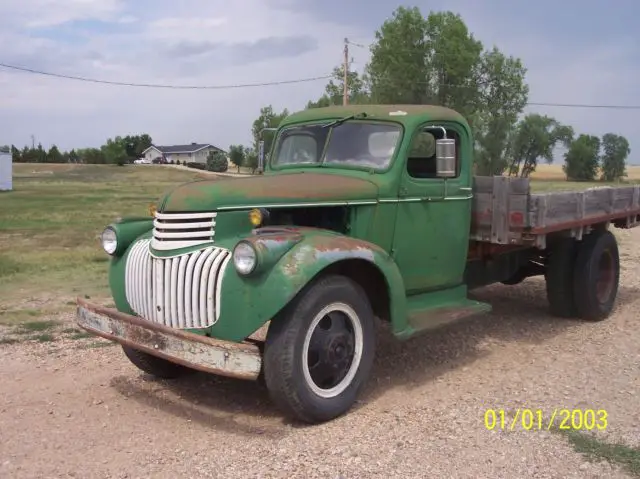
[538, 420]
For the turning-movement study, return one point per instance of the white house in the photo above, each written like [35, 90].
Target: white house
[197, 152]
[6, 169]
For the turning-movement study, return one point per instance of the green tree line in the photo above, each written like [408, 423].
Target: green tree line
[437, 60]
[118, 150]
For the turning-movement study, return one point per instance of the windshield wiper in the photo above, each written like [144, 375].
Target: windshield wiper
[340, 121]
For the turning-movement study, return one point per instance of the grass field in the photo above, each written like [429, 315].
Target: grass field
[50, 226]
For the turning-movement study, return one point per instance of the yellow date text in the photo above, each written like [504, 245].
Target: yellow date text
[539, 420]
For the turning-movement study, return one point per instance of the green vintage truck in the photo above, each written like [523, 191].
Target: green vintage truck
[362, 214]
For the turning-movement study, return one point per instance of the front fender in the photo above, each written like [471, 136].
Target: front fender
[247, 303]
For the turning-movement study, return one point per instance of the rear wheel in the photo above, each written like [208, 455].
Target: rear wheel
[320, 352]
[154, 365]
[597, 275]
[559, 277]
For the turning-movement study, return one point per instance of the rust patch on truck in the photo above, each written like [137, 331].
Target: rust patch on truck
[269, 189]
[325, 249]
[225, 358]
[300, 186]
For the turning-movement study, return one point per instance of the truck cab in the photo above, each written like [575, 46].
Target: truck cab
[363, 214]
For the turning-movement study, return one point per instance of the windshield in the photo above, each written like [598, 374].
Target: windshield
[354, 143]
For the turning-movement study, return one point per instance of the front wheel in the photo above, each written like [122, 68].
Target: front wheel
[154, 365]
[320, 352]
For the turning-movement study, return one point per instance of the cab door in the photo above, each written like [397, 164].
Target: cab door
[433, 217]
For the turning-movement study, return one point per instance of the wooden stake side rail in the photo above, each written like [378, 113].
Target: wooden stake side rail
[505, 211]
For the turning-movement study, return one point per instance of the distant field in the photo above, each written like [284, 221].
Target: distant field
[551, 177]
[554, 172]
[50, 226]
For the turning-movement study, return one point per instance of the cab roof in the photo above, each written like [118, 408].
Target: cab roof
[407, 114]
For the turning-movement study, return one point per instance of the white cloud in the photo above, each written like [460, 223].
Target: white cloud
[182, 24]
[47, 13]
[127, 19]
[166, 42]
[76, 114]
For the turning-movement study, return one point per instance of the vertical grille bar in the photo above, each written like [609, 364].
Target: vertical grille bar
[180, 292]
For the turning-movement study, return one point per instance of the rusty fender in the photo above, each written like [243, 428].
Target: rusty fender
[224, 358]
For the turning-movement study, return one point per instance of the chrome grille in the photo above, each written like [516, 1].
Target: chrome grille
[182, 230]
[180, 292]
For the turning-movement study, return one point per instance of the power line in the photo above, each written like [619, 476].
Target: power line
[282, 82]
[158, 85]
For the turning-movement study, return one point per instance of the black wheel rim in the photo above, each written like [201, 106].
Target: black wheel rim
[605, 277]
[332, 350]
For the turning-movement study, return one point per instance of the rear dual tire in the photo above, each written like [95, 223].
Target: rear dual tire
[582, 277]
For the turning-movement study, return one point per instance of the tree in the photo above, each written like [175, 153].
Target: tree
[73, 157]
[54, 155]
[269, 119]
[16, 155]
[114, 151]
[135, 144]
[399, 70]
[615, 152]
[334, 90]
[503, 96]
[236, 155]
[323, 101]
[535, 137]
[582, 159]
[251, 159]
[40, 154]
[92, 156]
[419, 60]
[217, 161]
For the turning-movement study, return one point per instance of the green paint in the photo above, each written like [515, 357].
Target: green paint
[247, 303]
[129, 229]
[413, 231]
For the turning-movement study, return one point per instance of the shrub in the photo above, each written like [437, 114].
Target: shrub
[196, 165]
[217, 161]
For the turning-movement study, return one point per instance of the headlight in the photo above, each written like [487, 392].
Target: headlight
[109, 240]
[245, 258]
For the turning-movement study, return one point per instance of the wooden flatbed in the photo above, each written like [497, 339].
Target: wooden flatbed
[506, 212]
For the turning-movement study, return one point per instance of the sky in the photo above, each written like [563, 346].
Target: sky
[585, 52]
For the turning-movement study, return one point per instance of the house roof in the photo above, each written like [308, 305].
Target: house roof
[192, 148]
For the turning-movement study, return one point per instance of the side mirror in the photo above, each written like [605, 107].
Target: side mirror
[446, 158]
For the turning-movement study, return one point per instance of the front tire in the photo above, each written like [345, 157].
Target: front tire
[154, 365]
[319, 352]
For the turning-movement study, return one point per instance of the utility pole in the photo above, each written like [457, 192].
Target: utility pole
[345, 92]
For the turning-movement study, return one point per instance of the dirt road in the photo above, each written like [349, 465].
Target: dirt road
[68, 410]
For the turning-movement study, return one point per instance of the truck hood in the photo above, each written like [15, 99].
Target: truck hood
[268, 190]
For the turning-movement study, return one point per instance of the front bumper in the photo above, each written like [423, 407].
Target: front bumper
[225, 358]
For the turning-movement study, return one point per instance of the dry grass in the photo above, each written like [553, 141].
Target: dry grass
[555, 173]
[49, 229]
[552, 178]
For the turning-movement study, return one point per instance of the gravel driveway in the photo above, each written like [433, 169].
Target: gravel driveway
[68, 410]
